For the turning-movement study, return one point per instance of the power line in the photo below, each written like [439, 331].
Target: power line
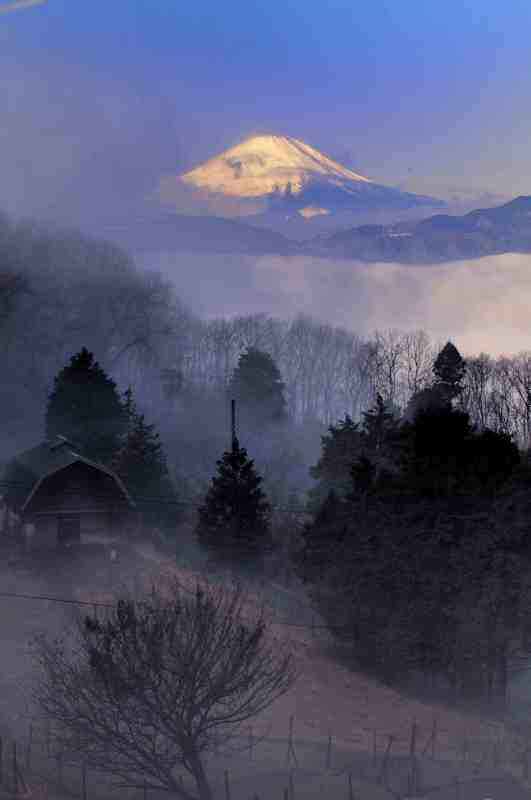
[98, 604]
[155, 499]
[68, 600]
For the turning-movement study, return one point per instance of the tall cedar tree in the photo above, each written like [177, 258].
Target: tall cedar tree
[381, 440]
[449, 370]
[339, 449]
[85, 406]
[321, 537]
[258, 387]
[141, 463]
[235, 521]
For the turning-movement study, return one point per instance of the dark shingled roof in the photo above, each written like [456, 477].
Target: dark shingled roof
[52, 456]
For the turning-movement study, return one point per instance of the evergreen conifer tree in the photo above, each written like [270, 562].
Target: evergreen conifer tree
[257, 385]
[141, 464]
[85, 406]
[449, 369]
[377, 422]
[321, 538]
[339, 449]
[235, 520]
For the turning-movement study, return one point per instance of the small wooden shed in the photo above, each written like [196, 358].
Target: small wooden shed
[73, 499]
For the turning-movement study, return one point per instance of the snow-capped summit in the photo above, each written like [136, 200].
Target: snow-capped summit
[262, 165]
[279, 178]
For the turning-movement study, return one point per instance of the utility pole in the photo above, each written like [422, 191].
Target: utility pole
[234, 439]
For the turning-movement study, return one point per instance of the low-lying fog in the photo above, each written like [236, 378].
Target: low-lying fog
[482, 304]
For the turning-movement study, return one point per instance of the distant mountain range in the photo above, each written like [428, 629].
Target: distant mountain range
[208, 234]
[439, 238]
[435, 239]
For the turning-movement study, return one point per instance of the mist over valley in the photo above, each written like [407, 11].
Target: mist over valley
[265, 462]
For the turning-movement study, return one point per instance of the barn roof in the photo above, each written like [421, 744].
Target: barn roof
[51, 457]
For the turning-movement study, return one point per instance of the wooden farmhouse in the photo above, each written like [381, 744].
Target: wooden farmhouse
[68, 499]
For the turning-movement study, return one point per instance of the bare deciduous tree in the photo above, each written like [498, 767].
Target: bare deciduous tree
[150, 691]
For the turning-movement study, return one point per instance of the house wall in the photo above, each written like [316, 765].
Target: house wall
[86, 492]
[40, 530]
[43, 535]
[105, 525]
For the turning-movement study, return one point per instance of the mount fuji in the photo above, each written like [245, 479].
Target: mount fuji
[266, 176]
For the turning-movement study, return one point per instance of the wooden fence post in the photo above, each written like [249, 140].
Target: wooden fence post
[15, 773]
[383, 771]
[465, 750]
[291, 786]
[413, 739]
[227, 787]
[84, 781]
[329, 750]
[28, 751]
[291, 751]
[350, 792]
[434, 738]
[525, 761]
[59, 758]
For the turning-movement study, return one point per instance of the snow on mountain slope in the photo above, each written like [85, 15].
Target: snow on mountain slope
[262, 165]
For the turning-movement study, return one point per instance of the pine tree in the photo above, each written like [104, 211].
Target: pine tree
[235, 520]
[381, 448]
[449, 369]
[257, 386]
[339, 449]
[141, 464]
[85, 407]
[322, 537]
[377, 422]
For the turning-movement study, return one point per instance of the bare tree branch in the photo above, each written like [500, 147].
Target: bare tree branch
[159, 684]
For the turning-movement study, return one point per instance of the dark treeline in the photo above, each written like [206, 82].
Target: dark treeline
[418, 550]
[61, 292]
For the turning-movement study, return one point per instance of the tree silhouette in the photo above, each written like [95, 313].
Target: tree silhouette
[258, 387]
[449, 369]
[339, 449]
[235, 520]
[85, 406]
[159, 685]
[141, 463]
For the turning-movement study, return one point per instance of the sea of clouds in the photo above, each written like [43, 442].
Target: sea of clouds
[482, 304]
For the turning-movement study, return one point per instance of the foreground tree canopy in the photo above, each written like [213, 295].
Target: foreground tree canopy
[419, 551]
[85, 407]
[259, 390]
[234, 521]
[141, 463]
[148, 693]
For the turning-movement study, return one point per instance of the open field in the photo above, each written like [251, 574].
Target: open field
[333, 723]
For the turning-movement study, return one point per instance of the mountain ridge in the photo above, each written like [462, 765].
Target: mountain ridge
[436, 239]
[285, 175]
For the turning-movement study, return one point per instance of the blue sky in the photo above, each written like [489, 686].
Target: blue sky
[432, 96]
